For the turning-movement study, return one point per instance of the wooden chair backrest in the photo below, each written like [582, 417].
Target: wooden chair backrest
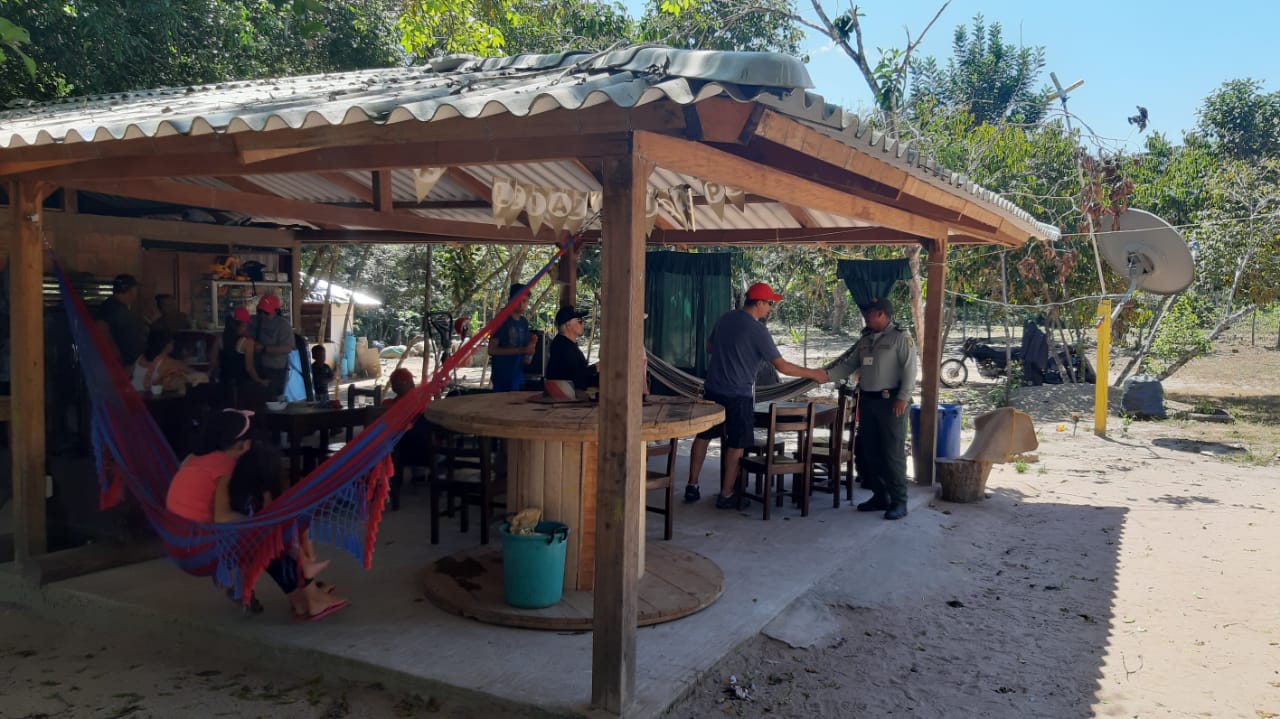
[665, 449]
[374, 393]
[793, 419]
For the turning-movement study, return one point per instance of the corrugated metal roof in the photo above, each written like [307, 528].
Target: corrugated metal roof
[467, 87]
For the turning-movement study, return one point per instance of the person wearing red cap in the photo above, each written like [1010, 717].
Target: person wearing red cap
[274, 337]
[237, 370]
[738, 344]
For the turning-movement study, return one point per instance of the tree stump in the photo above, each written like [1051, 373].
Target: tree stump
[961, 480]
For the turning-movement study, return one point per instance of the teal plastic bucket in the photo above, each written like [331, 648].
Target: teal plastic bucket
[533, 565]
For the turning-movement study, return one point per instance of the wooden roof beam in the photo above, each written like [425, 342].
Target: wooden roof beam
[363, 157]
[599, 120]
[212, 198]
[790, 133]
[708, 163]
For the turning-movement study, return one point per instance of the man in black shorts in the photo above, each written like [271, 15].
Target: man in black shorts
[738, 343]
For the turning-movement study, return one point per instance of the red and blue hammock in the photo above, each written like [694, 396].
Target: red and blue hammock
[340, 502]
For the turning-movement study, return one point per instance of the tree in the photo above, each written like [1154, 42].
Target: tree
[91, 47]
[1240, 121]
[762, 26]
[993, 81]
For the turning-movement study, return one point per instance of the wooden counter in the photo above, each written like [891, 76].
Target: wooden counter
[552, 455]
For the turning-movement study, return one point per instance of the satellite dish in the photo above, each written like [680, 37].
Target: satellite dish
[1149, 252]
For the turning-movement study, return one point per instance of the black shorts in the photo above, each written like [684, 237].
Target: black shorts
[739, 421]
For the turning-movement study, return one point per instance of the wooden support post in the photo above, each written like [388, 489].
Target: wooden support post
[26, 356]
[426, 318]
[295, 287]
[620, 489]
[383, 200]
[568, 274]
[930, 360]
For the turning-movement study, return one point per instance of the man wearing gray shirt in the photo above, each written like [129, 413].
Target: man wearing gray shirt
[884, 361]
[274, 336]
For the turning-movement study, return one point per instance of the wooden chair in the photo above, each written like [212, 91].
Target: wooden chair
[464, 475]
[664, 480]
[778, 464]
[833, 455]
[354, 392]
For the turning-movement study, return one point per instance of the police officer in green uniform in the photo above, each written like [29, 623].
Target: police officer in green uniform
[884, 360]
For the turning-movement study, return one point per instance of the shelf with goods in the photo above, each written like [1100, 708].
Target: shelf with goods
[220, 297]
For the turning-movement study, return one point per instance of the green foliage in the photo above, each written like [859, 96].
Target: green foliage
[1241, 121]
[761, 26]
[446, 27]
[86, 47]
[991, 80]
[13, 38]
[1179, 333]
[1020, 466]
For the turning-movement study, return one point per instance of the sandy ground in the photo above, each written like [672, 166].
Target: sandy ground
[1127, 576]
[1131, 576]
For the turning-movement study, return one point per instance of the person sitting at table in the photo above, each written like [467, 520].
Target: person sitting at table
[157, 367]
[239, 373]
[200, 492]
[321, 373]
[512, 346]
[566, 361]
[413, 448]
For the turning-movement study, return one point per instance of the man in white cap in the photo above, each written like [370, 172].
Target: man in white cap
[738, 344]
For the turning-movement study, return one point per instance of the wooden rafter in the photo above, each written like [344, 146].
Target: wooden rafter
[207, 197]
[599, 120]
[708, 163]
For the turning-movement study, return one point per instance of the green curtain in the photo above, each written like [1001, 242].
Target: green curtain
[684, 296]
[871, 279]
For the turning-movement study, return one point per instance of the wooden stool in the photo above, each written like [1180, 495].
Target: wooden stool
[961, 480]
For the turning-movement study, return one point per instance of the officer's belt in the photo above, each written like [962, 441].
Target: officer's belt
[881, 393]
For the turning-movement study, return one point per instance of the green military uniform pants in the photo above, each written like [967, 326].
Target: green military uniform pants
[881, 445]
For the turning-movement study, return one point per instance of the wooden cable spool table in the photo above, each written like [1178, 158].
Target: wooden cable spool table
[552, 455]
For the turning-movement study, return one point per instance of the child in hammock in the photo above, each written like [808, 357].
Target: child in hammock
[200, 492]
[258, 479]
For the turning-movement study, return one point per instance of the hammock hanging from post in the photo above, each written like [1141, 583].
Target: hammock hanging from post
[340, 502]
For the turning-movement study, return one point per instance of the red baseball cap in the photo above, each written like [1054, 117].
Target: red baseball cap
[240, 314]
[762, 291]
[269, 304]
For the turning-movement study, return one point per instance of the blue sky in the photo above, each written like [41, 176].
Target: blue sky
[1166, 56]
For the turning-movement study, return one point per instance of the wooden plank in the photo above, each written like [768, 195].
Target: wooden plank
[364, 157]
[4, 409]
[931, 358]
[791, 133]
[383, 197]
[710, 164]
[571, 501]
[193, 232]
[197, 196]
[620, 478]
[603, 118]
[26, 357]
[722, 119]
[587, 504]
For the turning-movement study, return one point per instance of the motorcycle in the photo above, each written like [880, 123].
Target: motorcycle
[990, 363]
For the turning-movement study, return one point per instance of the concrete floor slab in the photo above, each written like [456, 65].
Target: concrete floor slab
[391, 630]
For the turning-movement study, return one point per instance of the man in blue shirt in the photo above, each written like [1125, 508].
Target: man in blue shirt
[512, 346]
[738, 344]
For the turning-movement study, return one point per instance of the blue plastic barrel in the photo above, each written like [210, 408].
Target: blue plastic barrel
[349, 355]
[948, 429]
[533, 565]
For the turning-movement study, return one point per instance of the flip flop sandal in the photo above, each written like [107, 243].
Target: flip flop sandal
[317, 616]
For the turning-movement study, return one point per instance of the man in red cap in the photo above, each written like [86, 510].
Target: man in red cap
[273, 335]
[738, 344]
